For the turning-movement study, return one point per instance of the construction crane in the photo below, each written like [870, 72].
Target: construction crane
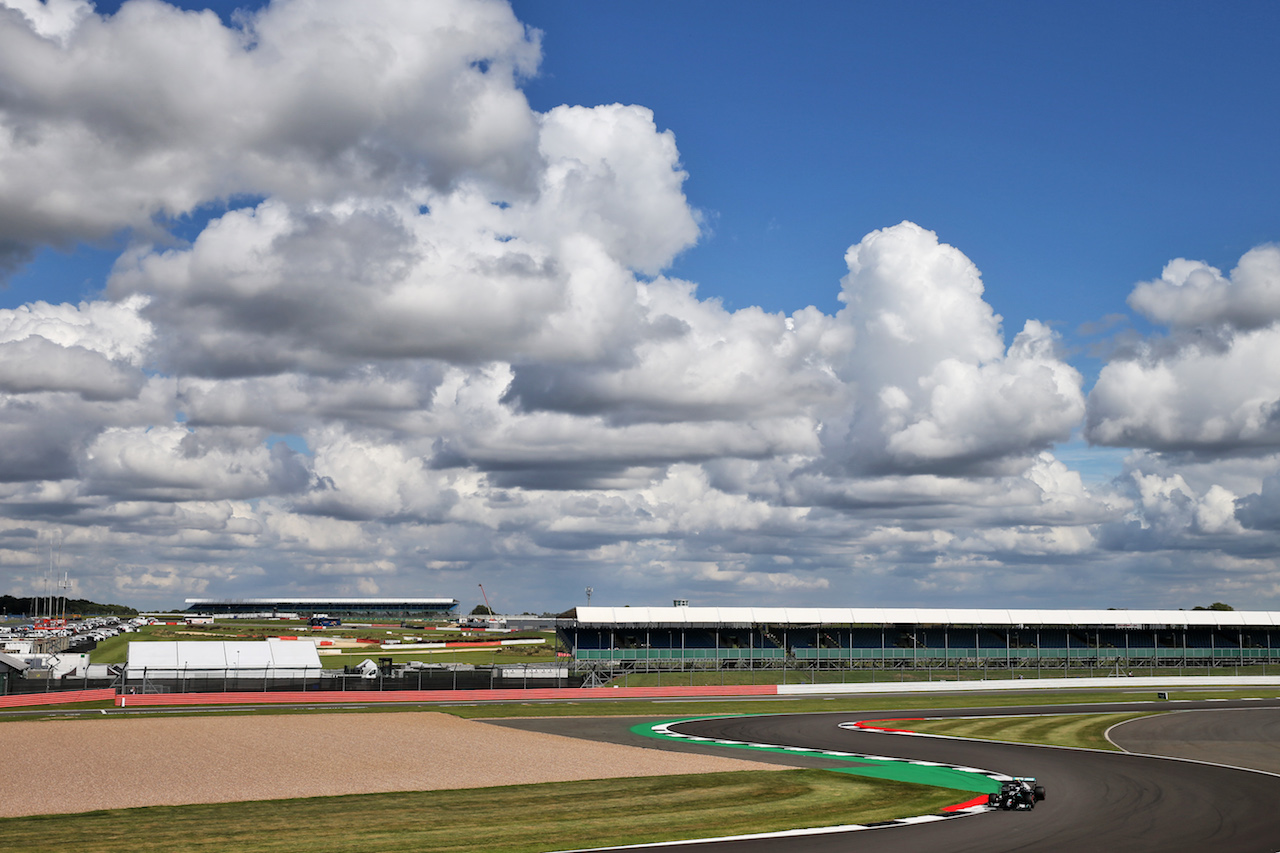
[490, 620]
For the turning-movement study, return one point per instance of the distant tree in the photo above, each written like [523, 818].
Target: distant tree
[77, 606]
[1217, 605]
[481, 610]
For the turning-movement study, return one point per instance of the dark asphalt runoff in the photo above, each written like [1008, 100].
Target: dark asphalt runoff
[1098, 802]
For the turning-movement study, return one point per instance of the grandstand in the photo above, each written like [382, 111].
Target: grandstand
[663, 638]
[342, 608]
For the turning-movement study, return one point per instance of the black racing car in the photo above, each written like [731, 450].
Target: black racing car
[1018, 794]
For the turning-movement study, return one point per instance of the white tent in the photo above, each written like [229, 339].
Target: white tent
[272, 658]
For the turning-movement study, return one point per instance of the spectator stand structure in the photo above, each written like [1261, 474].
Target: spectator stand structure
[608, 641]
[393, 609]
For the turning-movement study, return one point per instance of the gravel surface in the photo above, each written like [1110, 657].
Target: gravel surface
[65, 766]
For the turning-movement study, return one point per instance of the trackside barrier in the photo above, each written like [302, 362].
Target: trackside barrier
[334, 697]
[1033, 684]
[326, 697]
[61, 697]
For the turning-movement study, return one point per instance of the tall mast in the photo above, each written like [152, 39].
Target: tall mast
[64, 584]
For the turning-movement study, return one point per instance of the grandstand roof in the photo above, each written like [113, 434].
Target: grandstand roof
[268, 602]
[744, 616]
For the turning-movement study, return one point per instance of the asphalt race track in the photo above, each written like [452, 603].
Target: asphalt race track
[1245, 737]
[1097, 802]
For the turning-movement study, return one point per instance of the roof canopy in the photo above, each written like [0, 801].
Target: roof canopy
[268, 602]
[13, 663]
[746, 616]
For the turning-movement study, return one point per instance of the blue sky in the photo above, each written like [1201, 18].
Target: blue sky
[1068, 149]
[1069, 152]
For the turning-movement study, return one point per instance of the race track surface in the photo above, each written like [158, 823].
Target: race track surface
[1244, 737]
[1097, 801]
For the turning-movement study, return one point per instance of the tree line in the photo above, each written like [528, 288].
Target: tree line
[9, 605]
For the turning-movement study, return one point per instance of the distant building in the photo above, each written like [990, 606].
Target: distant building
[343, 608]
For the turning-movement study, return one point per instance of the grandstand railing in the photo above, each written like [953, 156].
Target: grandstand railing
[987, 656]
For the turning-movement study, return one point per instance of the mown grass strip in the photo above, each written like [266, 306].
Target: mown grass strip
[1079, 730]
[894, 702]
[697, 707]
[514, 819]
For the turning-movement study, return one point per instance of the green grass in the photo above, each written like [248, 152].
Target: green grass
[1079, 730]
[894, 702]
[515, 819]
[703, 707]
[578, 814]
[116, 649]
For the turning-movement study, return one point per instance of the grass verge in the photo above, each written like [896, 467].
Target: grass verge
[1080, 730]
[691, 707]
[514, 819]
[877, 702]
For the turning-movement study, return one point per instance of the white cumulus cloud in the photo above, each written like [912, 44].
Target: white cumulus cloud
[423, 330]
[1217, 392]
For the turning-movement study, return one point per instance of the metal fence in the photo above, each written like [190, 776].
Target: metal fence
[26, 686]
[269, 680]
[776, 665]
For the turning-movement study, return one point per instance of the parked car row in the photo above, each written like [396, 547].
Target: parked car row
[86, 632]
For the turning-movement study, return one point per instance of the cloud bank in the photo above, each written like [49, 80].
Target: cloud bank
[425, 333]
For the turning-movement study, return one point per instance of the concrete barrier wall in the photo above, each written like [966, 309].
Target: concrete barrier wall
[361, 697]
[1033, 684]
[62, 697]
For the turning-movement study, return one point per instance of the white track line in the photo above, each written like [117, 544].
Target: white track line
[665, 730]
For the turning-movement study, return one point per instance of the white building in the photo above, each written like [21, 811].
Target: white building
[272, 658]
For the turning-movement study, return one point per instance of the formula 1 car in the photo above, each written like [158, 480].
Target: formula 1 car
[1018, 794]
